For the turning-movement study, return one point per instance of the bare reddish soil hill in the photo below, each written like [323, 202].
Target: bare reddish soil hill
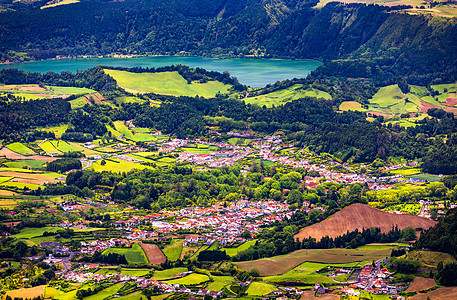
[359, 216]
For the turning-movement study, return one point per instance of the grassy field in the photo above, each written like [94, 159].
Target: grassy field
[406, 172]
[63, 146]
[134, 255]
[49, 148]
[260, 288]
[134, 272]
[286, 95]
[388, 96]
[35, 164]
[430, 258]
[173, 250]
[428, 177]
[166, 83]
[168, 273]
[58, 130]
[234, 251]
[193, 278]
[108, 292]
[126, 99]
[117, 165]
[28, 232]
[351, 105]
[220, 282]
[21, 185]
[20, 148]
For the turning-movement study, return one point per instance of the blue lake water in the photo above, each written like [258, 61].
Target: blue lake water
[253, 72]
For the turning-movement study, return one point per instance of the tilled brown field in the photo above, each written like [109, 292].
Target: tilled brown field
[359, 216]
[420, 284]
[153, 253]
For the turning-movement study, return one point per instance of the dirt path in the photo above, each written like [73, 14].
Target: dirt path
[153, 253]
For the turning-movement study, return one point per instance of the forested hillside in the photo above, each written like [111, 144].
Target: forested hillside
[379, 42]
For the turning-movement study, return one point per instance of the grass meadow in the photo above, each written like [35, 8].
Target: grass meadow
[134, 255]
[20, 148]
[173, 250]
[166, 83]
[286, 95]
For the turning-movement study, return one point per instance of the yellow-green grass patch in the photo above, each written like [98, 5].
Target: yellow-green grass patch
[117, 166]
[78, 102]
[286, 95]
[21, 185]
[220, 282]
[351, 105]
[234, 251]
[260, 288]
[20, 148]
[35, 164]
[388, 96]
[134, 255]
[127, 99]
[191, 279]
[406, 172]
[49, 148]
[124, 130]
[28, 233]
[63, 146]
[58, 130]
[108, 292]
[160, 275]
[173, 250]
[166, 83]
[430, 258]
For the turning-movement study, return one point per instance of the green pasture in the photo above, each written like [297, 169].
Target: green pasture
[428, 177]
[374, 247]
[63, 146]
[160, 275]
[35, 164]
[135, 272]
[58, 130]
[351, 105]
[260, 288]
[127, 99]
[108, 292]
[406, 172]
[21, 185]
[234, 251]
[20, 148]
[48, 147]
[116, 165]
[283, 96]
[124, 130]
[28, 233]
[191, 279]
[388, 96]
[173, 250]
[78, 102]
[134, 255]
[166, 83]
[220, 282]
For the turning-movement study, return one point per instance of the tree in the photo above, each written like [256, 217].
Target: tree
[408, 233]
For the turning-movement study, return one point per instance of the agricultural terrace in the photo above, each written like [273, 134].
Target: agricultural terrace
[166, 83]
[20, 148]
